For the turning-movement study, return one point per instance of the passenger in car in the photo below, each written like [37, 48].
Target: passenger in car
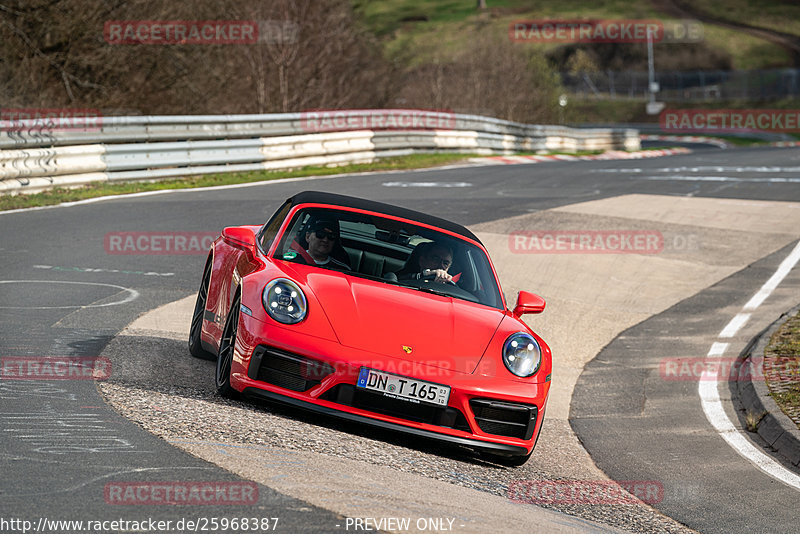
[428, 259]
[322, 239]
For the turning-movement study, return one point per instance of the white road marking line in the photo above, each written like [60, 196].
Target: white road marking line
[709, 384]
[717, 349]
[682, 178]
[132, 295]
[708, 168]
[426, 184]
[97, 270]
[736, 323]
[783, 269]
[715, 413]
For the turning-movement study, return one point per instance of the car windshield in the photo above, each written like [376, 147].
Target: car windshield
[390, 251]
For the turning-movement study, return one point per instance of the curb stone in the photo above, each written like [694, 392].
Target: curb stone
[716, 141]
[776, 429]
[785, 144]
[605, 156]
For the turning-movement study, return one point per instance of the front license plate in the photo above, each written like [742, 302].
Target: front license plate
[402, 387]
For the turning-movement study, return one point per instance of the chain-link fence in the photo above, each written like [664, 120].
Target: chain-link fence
[676, 86]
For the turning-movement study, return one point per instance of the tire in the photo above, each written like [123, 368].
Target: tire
[195, 346]
[222, 377]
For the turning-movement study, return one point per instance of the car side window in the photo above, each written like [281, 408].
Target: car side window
[270, 229]
[292, 235]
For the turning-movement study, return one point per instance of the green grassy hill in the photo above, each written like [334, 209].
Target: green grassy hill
[423, 30]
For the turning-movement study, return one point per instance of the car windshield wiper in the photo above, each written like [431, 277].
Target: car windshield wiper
[369, 277]
[429, 290]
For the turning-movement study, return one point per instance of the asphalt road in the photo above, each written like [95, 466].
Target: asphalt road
[62, 446]
[643, 420]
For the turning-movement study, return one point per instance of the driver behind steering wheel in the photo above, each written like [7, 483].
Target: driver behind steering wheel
[434, 260]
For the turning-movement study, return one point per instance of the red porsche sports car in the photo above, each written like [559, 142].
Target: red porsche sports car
[376, 314]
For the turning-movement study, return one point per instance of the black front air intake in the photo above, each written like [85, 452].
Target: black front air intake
[375, 402]
[504, 418]
[287, 370]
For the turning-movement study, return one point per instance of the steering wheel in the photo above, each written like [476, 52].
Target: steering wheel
[432, 276]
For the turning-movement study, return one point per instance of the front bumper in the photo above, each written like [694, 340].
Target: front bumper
[320, 375]
[511, 450]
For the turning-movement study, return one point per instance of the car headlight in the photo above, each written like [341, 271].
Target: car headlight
[284, 301]
[521, 354]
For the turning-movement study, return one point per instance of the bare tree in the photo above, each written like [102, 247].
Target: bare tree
[285, 47]
[490, 76]
[53, 54]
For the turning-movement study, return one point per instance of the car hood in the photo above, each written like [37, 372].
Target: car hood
[405, 323]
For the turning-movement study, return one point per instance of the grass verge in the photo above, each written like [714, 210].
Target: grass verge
[60, 195]
[411, 26]
[782, 368]
[102, 189]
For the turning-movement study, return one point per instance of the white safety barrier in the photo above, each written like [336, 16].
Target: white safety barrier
[36, 154]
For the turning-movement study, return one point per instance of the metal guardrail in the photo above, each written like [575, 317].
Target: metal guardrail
[35, 156]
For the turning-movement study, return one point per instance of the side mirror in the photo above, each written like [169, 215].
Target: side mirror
[240, 236]
[528, 303]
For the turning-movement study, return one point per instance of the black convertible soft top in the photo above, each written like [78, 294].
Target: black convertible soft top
[317, 197]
